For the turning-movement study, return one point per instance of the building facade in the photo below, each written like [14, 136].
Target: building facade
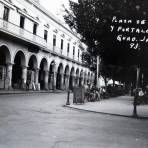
[37, 52]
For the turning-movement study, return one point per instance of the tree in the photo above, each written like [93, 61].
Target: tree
[92, 19]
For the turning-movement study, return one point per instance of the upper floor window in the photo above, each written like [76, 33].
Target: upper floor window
[34, 28]
[54, 40]
[45, 34]
[78, 53]
[6, 13]
[22, 21]
[68, 47]
[73, 51]
[62, 42]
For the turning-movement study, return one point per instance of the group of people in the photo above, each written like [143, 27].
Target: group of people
[140, 92]
[94, 94]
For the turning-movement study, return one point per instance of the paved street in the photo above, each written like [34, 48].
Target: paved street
[40, 121]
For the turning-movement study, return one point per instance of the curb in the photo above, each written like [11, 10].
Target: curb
[29, 92]
[110, 114]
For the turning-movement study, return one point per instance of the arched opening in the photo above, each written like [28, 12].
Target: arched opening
[71, 79]
[5, 59]
[32, 66]
[66, 77]
[42, 70]
[77, 77]
[59, 81]
[51, 75]
[17, 71]
[81, 78]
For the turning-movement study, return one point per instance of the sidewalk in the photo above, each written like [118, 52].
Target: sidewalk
[9, 92]
[119, 106]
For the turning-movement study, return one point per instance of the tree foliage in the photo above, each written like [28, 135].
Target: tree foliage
[92, 20]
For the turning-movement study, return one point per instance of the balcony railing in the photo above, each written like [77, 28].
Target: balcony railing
[16, 31]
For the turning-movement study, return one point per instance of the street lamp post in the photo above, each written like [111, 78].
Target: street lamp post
[97, 73]
[68, 97]
[136, 93]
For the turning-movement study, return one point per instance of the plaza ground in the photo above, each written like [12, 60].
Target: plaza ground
[119, 106]
[41, 121]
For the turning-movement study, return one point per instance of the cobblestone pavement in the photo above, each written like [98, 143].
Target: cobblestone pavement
[40, 121]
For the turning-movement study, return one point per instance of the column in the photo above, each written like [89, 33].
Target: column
[67, 82]
[62, 81]
[92, 81]
[46, 79]
[9, 75]
[54, 81]
[82, 81]
[37, 79]
[24, 76]
[77, 81]
[50, 80]
[73, 81]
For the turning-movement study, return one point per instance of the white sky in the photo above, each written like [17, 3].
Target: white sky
[55, 6]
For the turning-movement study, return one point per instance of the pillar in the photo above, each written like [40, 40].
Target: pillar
[9, 75]
[67, 81]
[82, 81]
[46, 79]
[77, 81]
[73, 81]
[37, 79]
[54, 80]
[62, 82]
[24, 76]
[50, 80]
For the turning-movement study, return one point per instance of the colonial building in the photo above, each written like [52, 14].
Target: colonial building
[37, 51]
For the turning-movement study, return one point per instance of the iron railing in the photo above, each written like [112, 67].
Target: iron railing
[16, 31]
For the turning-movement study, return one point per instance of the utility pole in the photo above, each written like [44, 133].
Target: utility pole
[136, 93]
[97, 73]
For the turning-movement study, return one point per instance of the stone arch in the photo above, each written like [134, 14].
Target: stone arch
[5, 55]
[5, 67]
[31, 71]
[19, 70]
[32, 63]
[52, 78]
[66, 77]
[33, 58]
[66, 71]
[59, 80]
[77, 77]
[42, 73]
[71, 78]
[81, 78]
[23, 60]
[52, 66]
